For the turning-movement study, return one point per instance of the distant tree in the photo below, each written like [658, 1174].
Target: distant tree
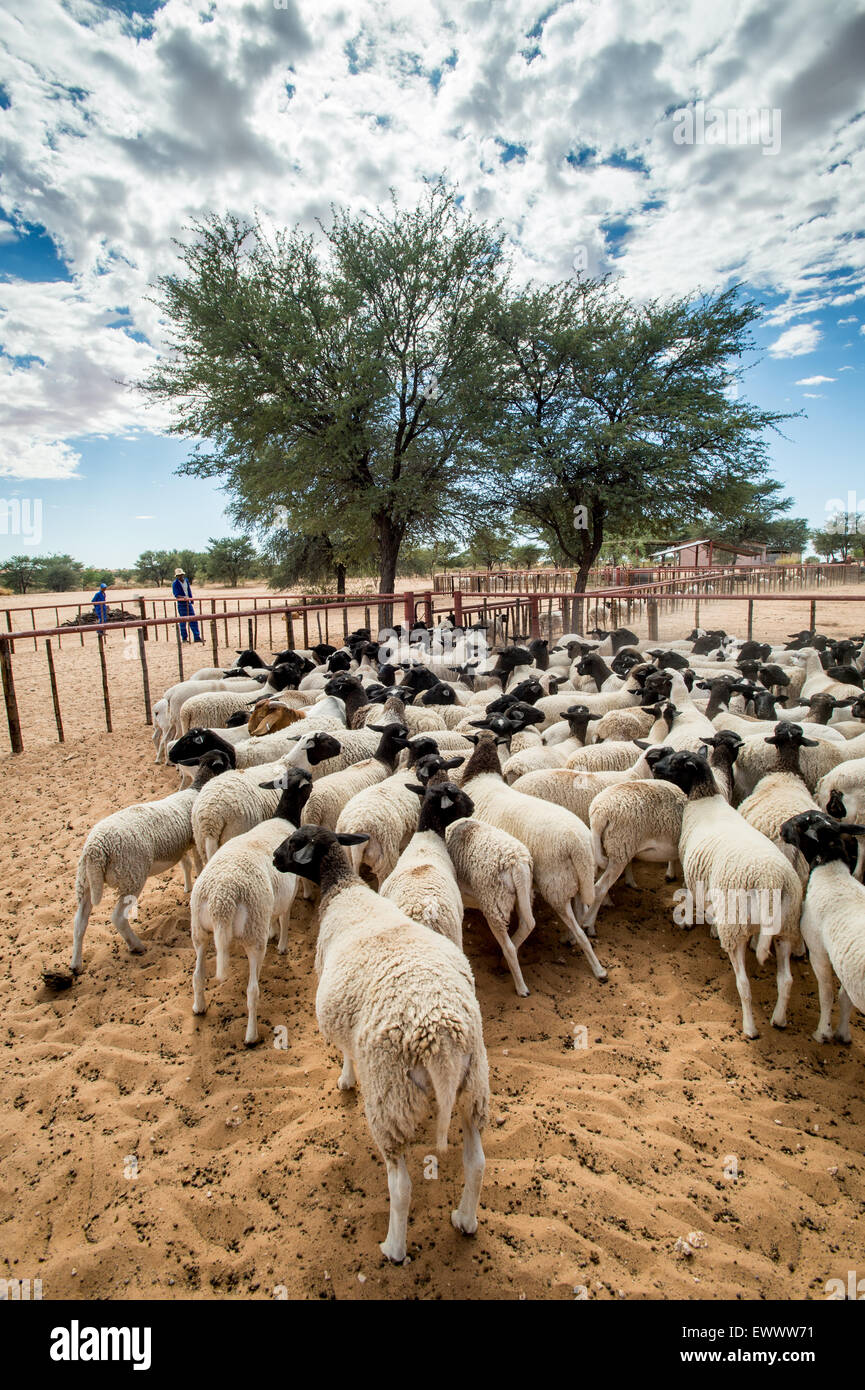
[231, 559]
[489, 545]
[841, 538]
[192, 562]
[59, 573]
[293, 560]
[156, 566]
[20, 572]
[526, 555]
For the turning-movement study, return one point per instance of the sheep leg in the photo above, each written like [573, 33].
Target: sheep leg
[672, 871]
[196, 858]
[199, 975]
[465, 1218]
[845, 1009]
[509, 951]
[822, 967]
[348, 1076]
[399, 1187]
[82, 917]
[630, 881]
[743, 984]
[255, 955]
[282, 944]
[124, 908]
[579, 938]
[188, 875]
[602, 887]
[785, 983]
[860, 861]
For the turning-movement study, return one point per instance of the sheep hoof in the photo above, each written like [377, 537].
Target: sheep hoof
[252, 1042]
[602, 979]
[845, 1039]
[751, 1036]
[395, 1258]
[199, 1012]
[468, 1225]
[780, 1026]
[822, 1037]
[138, 948]
[523, 993]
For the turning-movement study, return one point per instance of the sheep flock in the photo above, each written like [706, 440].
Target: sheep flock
[394, 782]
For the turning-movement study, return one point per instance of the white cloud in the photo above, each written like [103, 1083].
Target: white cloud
[796, 341]
[115, 140]
[813, 396]
[144, 517]
[853, 318]
[37, 457]
[813, 380]
[846, 369]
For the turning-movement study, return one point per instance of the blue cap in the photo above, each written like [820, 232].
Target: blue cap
[103, 585]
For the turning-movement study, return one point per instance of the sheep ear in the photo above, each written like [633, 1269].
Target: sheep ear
[853, 829]
[479, 723]
[809, 742]
[304, 854]
[446, 801]
[345, 838]
[642, 743]
[413, 787]
[269, 786]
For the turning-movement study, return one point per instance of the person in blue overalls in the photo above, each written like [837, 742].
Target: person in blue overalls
[183, 593]
[100, 603]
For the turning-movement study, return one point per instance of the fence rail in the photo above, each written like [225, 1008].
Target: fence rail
[556, 581]
[520, 615]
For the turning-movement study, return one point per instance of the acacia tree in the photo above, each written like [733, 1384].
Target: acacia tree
[614, 413]
[155, 566]
[233, 558]
[20, 572]
[346, 380]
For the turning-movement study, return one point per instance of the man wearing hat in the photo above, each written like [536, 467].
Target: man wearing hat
[183, 593]
[100, 603]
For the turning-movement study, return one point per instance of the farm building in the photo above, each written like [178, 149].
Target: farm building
[696, 554]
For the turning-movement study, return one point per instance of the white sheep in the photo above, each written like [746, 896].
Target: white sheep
[833, 918]
[634, 820]
[494, 871]
[776, 798]
[786, 750]
[424, 882]
[239, 894]
[399, 1001]
[559, 843]
[333, 792]
[733, 866]
[126, 848]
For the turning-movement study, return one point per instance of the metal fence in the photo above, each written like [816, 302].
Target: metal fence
[72, 687]
[729, 578]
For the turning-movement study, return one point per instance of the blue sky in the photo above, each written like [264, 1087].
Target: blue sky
[121, 122]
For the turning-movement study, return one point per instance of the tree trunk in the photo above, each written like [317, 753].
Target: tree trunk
[389, 540]
[340, 579]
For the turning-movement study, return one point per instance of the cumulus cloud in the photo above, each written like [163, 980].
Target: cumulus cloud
[796, 341]
[121, 129]
[813, 380]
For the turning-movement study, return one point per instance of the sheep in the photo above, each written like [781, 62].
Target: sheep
[238, 895]
[761, 755]
[178, 694]
[387, 812]
[575, 789]
[731, 863]
[818, 681]
[776, 798]
[126, 848]
[246, 798]
[842, 794]
[633, 820]
[399, 1001]
[424, 882]
[559, 843]
[271, 717]
[211, 711]
[603, 757]
[833, 918]
[418, 720]
[553, 706]
[269, 748]
[623, 724]
[494, 872]
[551, 755]
[333, 792]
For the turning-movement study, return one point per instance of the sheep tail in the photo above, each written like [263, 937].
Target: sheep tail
[222, 939]
[90, 878]
[522, 876]
[598, 848]
[447, 1075]
[764, 943]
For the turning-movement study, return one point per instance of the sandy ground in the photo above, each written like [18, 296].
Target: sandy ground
[146, 1153]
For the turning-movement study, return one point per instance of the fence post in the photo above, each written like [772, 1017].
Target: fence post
[214, 635]
[55, 699]
[652, 618]
[457, 595]
[143, 612]
[408, 607]
[100, 637]
[813, 618]
[345, 619]
[145, 677]
[697, 612]
[428, 608]
[534, 617]
[305, 617]
[249, 628]
[9, 696]
[750, 618]
[179, 652]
